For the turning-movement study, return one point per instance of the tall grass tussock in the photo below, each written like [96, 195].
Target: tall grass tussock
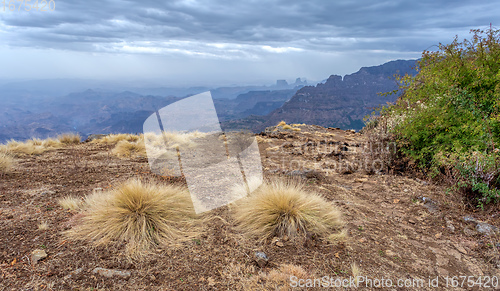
[141, 215]
[284, 207]
[69, 138]
[6, 163]
[129, 149]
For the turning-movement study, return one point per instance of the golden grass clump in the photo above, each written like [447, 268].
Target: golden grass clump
[6, 163]
[284, 207]
[70, 203]
[32, 146]
[129, 149]
[69, 138]
[286, 126]
[116, 138]
[141, 215]
[43, 226]
[282, 123]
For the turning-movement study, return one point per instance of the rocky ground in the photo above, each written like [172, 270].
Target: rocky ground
[399, 227]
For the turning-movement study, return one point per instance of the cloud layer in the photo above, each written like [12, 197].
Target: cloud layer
[245, 31]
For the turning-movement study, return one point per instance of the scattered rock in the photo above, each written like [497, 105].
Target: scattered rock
[38, 255]
[469, 232]
[94, 136]
[450, 226]
[261, 259]
[287, 145]
[486, 228]
[280, 244]
[75, 272]
[111, 273]
[469, 219]
[429, 204]
[460, 248]
[390, 253]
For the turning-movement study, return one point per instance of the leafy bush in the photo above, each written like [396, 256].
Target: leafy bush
[451, 110]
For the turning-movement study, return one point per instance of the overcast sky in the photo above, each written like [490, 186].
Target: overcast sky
[226, 41]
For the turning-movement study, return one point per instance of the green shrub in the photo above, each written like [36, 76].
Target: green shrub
[451, 110]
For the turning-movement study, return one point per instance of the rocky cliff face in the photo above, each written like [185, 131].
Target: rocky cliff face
[343, 102]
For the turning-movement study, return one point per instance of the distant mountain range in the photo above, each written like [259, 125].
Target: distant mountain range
[339, 102]
[31, 110]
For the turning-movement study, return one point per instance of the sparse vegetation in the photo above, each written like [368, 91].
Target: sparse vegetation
[69, 138]
[129, 149]
[450, 112]
[70, 203]
[6, 163]
[37, 146]
[284, 207]
[115, 138]
[138, 214]
[43, 226]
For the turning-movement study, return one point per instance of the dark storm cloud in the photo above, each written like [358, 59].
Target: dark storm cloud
[190, 26]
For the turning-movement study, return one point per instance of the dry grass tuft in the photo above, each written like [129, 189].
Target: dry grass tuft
[282, 123]
[245, 277]
[284, 207]
[338, 237]
[6, 163]
[140, 215]
[70, 138]
[70, 203]
[33, 146]
[356, 272]
[129, 149]
[43, 226]
[286, 126]
[116, 138]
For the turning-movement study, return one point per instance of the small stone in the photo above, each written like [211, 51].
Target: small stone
[261, 259]
[486, 228]
[286, 238]
[460, 248]
[469, 232]
[450, 226]
[75, 272]
[280, 244]
[469, 218]
[38, 255]
[411, 221]
[390, 253]
[111, 273]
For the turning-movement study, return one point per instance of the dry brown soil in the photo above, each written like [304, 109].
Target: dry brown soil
[392, 233]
